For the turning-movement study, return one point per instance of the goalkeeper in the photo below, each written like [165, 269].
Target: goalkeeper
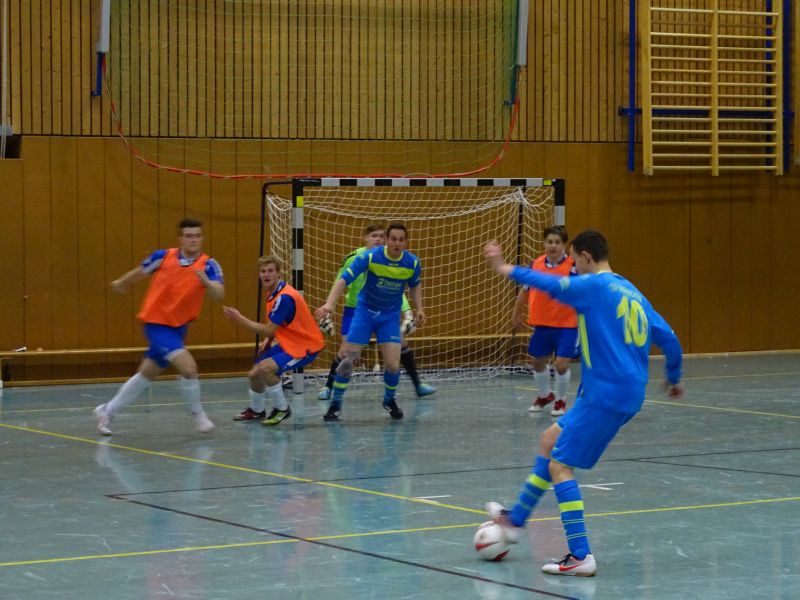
[388, 270]
[375, 236]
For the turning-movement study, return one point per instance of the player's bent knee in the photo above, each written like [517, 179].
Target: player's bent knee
[345, 368]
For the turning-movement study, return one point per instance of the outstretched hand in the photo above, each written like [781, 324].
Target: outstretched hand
[322, 312]
[493, 253]
[232, 313]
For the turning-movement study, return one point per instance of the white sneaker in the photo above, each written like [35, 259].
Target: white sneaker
[324, 394]
[202, 422]
[103, 419]
[569, 565]
[499, 514]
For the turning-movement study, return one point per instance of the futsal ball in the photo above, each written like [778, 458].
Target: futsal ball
[490, 543]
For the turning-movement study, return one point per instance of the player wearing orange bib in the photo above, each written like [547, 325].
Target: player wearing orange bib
[554, 324]
[181, 277]
[299, 341]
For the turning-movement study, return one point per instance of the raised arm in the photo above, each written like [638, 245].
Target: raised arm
[123, 284]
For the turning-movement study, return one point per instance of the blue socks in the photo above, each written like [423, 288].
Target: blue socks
[339, 386]
[570, 503]
[390, 382]
[536, 485]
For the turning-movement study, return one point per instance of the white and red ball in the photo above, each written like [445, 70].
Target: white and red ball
[490, 543]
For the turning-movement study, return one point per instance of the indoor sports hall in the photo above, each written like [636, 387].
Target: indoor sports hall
[155, 150]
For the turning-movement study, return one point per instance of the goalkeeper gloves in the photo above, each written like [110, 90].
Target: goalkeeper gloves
[326, 325]
[408, 326]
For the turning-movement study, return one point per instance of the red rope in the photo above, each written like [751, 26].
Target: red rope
[158, 166]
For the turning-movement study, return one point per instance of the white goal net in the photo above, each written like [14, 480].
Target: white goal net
[468, 330]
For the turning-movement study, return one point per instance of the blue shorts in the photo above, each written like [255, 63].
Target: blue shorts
[347, 318]
[386, 326]
[587, 430]
[561, 340]
[284, 361]
[165, 341]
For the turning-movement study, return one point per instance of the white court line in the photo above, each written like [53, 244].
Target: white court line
[431, 497]
[600, 486]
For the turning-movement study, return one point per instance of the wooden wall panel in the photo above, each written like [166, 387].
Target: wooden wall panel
[715, 255]
[92, 240]
[12, 246]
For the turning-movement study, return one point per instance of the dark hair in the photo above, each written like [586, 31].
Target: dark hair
[558, 230]
[188, 223]
[593, 242]
[373, 227]
[396, 225]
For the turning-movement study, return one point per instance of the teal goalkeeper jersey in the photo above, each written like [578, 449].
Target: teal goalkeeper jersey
[616, 325]
[351, 297]
[385, 278]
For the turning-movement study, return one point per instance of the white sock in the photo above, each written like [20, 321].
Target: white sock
[543, 381]
[275, 394]
[257, 401]
[562, 384]
[129, 392]
[191, 393]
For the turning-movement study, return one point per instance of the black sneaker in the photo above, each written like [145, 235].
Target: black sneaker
[276, 416]
[250, 415]
[394, 411]
[334, 412]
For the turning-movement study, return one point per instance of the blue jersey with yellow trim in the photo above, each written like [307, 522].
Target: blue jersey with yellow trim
[386, 278]
[616, 325]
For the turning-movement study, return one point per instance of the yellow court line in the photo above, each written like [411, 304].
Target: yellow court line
[724, 409]
[135, 408]
[242, 469]
[376, 533]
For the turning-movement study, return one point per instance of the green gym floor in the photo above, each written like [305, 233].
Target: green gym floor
[695, 499]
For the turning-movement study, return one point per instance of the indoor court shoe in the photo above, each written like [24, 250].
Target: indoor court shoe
[250, 415]
[423, 389]
[570, 565]
[276, 416]
[202, 422]
[103, 419]
[498, 513]
[540, 403]
[394, 411]
[334, 412]
[324, 394]
[559, 408]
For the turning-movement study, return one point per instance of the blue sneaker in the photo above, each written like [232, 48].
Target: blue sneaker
[425, 390]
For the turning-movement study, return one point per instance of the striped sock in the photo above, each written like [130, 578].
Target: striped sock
[339, 387]
[536, 485]
[390, 381]
[570, 503]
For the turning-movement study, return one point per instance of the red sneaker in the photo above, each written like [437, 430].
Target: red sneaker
[540, 403]
[250, 415]
[559, 408]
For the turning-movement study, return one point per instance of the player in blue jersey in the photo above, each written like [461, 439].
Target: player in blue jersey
[389, 269]
[616, 325]
[374, 236]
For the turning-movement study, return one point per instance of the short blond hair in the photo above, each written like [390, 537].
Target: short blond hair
[270, 259]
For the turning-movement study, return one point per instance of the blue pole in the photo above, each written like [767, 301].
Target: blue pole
[787, 86]
[632, 87]
[98, 78]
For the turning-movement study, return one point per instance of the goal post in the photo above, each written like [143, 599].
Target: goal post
[315, 223]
